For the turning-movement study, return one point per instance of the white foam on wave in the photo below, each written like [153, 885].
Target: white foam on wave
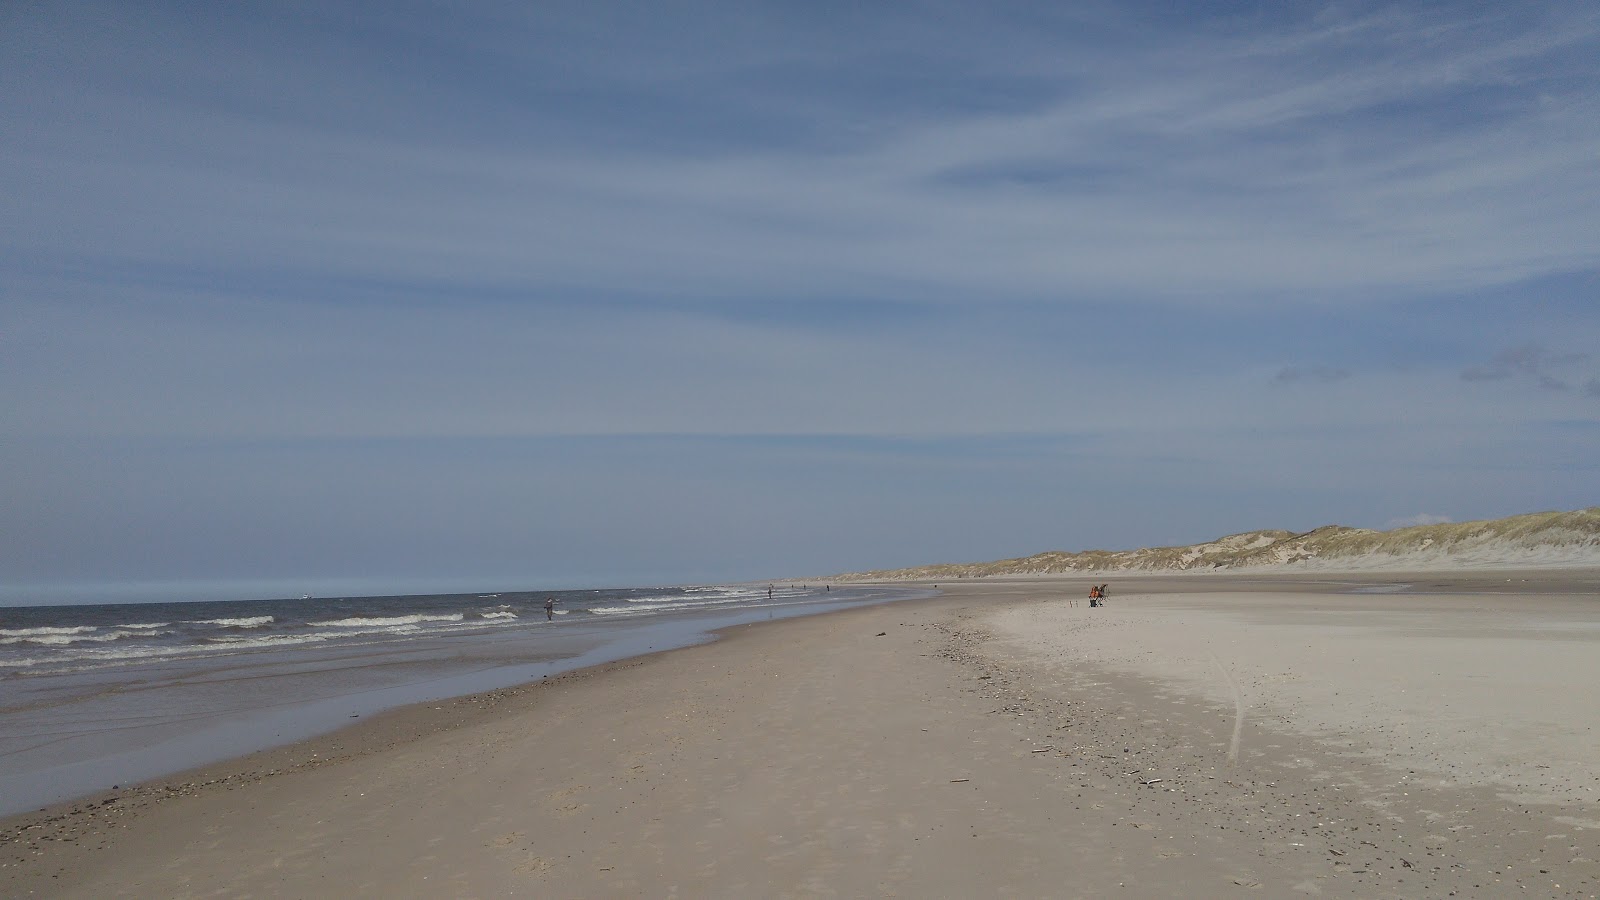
[62, 640]
[93, 650]
[702, 596]
[245, 622]
[46, 630]
[245, 642]
[388, 621]
[656, 605]
[80, 658]
[368, 627]
[507, 614]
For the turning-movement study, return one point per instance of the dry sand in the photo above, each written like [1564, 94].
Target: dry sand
[1201, 737]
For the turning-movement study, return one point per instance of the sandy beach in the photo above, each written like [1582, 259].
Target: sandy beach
[1375, 735]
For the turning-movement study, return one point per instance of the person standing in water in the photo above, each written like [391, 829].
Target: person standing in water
[549, 608]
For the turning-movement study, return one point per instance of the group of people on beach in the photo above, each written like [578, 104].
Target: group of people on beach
[1097, 594]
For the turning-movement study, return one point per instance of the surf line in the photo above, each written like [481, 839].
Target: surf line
[1238, 709]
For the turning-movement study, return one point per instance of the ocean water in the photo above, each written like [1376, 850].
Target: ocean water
[43, 640]
[97, 696]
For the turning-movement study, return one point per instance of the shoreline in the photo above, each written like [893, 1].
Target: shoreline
[909, 748]
[70, 733]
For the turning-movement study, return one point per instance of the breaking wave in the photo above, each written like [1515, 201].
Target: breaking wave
[245, 622]
[80, 636]
[389, 621]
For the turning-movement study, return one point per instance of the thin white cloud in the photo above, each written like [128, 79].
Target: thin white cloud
[1231, 173]
[90, 363]
[1550, 370]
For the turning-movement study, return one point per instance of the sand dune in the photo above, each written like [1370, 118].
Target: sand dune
[1536, 540]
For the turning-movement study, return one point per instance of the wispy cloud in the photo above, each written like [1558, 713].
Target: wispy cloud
[1284, 165]
[1549, 370]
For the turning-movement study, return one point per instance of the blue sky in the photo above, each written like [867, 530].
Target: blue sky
[415, 296]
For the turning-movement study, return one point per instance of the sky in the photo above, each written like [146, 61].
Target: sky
[411, 296]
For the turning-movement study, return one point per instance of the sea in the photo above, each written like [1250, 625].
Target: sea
[106, 695]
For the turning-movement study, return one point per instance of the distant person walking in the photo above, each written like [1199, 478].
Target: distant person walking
[549, 608]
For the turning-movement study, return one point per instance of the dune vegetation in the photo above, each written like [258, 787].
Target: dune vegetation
[1535, 539]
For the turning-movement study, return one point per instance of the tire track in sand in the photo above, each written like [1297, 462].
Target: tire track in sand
[1238, 709]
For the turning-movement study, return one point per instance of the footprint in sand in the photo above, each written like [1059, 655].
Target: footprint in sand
[506, 840]
[562, 801]
[557, 797]
[536, 865]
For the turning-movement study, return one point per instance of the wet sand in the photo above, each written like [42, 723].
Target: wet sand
[69, 733]
[1200, 737]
